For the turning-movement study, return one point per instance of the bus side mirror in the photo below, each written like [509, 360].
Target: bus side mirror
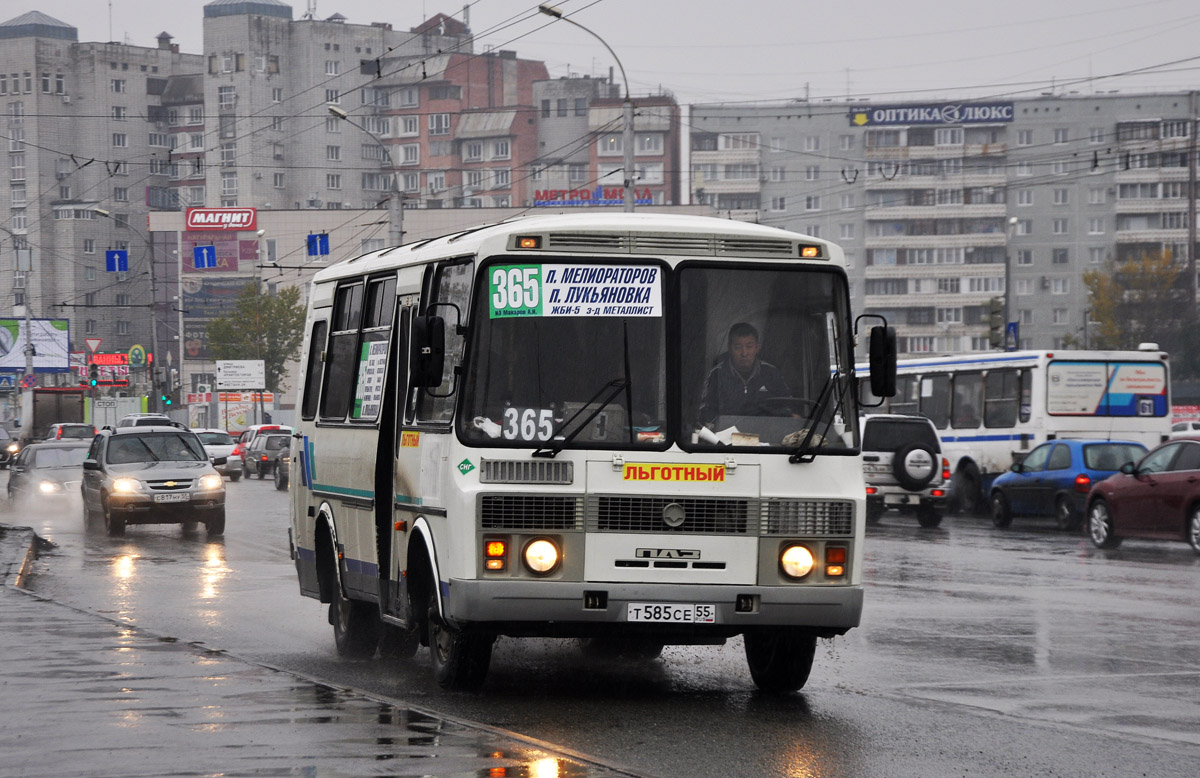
[427, 361]
[883, 361]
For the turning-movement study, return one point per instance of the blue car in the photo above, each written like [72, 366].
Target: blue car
[1054, 479]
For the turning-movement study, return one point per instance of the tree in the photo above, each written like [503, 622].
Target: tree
[266, 327]
[1145, 300]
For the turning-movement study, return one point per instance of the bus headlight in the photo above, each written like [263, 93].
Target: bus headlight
[541, 556]
[796, 561]
[127, 485]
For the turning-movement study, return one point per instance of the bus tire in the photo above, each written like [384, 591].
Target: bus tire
[399, 642]
[460, 656]
[355, 623]
[1001, 514]
[965, 487]
[1100, 525]
[780, 658]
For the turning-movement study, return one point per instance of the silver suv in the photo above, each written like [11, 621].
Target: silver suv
[904, 467]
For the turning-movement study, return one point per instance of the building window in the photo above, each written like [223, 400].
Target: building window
[333, 181]
[1061, 226]
[229, 184]
[118, 85]
[1025, 227]
[812, 143]
[1096, 225]
[1096, 255]
[846, 142]
[333, 153]
[439, 124]
[119, 113]
[1024, 137]
[948, 136]
[410, 154]
[501, 149]
[409, 126]
[847, 232]
[119, 140]
[648, 143]
[333, 96]
[195, 115]
[1024, 197]
[813, 230]
[1060, 134]
[610, 145]
[1025, 257]
[501, 178]
[737, 140]
[1024, 286]
[778, 203]
[1024, 168]
[1061, 316]
[277, 94]
[333, 124]
[778, 174]
[1060, 286]
[473, 151]
[812, 173]
[226, 97]
[120, 194]
[89, 246]
[332, 67]
[949, 315]
[278, 180]
[228, 153]
[1096, 196]
[545, 109]
[1059, 167]
[277, 123]
[847, 202]
[812, 203]
[1096, 135]
[576, 173]
[1059, 256]
[1062, 196]
[581, 106]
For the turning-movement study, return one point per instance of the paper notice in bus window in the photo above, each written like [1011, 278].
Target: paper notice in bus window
[574, 290]
[1074, 388]
[1106, 389]
[368, 395]
[1137, 389]
[927, 387]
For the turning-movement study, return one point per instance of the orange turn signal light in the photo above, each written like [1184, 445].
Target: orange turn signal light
[810, 251]
[496, 548]
[835, 555]
[529, 242]
[834, 571]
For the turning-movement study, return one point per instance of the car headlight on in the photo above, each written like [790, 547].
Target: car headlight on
[796, 561]
[49, 487]
[541, 556]
[126, 485]
[211, 481]
[13, 448]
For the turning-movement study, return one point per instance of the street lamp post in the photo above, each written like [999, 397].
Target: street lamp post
[395, 206]
[627, 106]
[155, 385]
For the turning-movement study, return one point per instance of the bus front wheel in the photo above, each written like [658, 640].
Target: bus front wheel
[460, 656]
[780, 658]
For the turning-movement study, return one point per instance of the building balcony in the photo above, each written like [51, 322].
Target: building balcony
[1150, 175]
[963, 181]
[1151, 236]
[998, 210]
[936, 300]
[937, 152]
[1150, 206]
[936, 241]
[730, 186]
[727, 157]
[990, 270]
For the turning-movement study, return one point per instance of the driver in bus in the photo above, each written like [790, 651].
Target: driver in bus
[741, 382]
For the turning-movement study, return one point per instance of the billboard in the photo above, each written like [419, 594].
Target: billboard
[228, 219]
[51, 340]
[933, 113]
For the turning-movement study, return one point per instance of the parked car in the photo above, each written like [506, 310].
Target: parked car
[8, 447]
[904, 468]
[48, 472]
[1156, 498]
[1054, 479]
[151, 475]
[262, 458]
[219, 443]
[1185, 429]
[145, 420]
[247, 437]
[70, 431]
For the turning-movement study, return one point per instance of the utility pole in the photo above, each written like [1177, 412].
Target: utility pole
[395, 202]
[24, 263]
[626, 106]
[1191, 247]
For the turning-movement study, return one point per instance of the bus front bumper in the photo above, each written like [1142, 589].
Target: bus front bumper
[566, 609]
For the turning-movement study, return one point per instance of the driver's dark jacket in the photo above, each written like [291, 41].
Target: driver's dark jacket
[727, 393]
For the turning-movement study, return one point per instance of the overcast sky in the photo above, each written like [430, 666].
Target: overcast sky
[767, 50]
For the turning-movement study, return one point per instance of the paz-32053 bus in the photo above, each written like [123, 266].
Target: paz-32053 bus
[633, 430]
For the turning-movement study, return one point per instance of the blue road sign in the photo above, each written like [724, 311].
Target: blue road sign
[7, 381]
[318, 245]
[1012, 336]
[116, 261]
[204, 256]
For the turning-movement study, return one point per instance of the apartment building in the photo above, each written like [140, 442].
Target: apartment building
[942, 207]
[84, 130]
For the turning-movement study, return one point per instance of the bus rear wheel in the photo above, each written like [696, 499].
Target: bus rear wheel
[460, 656]
[355, 623]
[780, 658]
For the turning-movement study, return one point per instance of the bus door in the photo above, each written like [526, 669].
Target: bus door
[303, 503]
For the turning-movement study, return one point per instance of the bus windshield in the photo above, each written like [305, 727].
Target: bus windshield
[573, 354]
[567, 354]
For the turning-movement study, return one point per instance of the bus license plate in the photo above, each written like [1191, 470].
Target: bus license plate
[180, 497]
[673, 613]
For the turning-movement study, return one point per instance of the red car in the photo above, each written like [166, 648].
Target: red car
[1157, 498]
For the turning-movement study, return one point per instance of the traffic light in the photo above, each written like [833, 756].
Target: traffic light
[166, 399]
[996, 322]
[93, 375]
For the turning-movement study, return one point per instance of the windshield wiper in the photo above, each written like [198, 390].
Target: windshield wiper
[149, 450]
[617, 385]
[805, 452]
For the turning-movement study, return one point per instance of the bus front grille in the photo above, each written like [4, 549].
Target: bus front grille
[699, 516]
[523, 471]
[808, 517]
[528, 512]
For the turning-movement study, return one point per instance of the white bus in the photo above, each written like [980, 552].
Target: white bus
[993, 408]
[506, 431]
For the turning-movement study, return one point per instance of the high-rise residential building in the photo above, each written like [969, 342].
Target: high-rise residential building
[943, 207]
[83, 130]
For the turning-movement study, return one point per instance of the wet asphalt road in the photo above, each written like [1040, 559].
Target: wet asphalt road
[982, 653]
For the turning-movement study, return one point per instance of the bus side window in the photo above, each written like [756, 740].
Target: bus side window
[341, 357]
[906, 399]
[312, 372]
[968, 397]
[1000, 398]
[376, 336]
[935, 399]
[1026, 409]
[453, 285]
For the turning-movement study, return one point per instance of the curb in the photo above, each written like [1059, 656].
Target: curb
[18, 550]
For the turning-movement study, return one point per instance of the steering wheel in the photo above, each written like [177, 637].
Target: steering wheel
[768, 406]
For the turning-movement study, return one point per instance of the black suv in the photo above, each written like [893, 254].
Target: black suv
[152, 475]
[265, 454]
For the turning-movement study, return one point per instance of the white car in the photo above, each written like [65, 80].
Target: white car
[1185, 429]
[219, 443]
[904, 467]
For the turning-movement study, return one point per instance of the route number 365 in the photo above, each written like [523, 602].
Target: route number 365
[515, 287]
[528, 424]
